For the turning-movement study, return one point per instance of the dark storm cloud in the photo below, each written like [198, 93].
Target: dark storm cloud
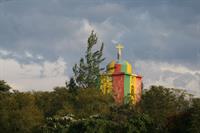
[159, 30]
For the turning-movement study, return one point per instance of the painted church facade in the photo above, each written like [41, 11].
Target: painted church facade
[119, 80]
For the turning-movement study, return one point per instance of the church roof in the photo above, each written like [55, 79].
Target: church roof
[119, 66]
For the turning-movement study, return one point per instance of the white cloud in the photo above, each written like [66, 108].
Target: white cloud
[28, 54]
[178, 69]
[25, 77]
[54, 69]
[4, 52]
[40, 57]
[169, 75]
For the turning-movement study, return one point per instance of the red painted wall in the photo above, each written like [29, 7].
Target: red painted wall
[118, 87]
[139, 89]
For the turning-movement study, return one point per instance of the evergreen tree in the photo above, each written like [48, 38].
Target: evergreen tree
[87, 71]
[71, 85]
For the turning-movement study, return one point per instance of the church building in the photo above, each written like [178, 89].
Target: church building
[118, 79]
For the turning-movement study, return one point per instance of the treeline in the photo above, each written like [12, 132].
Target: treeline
[162, 110]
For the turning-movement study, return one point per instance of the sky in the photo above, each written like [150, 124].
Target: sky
[40, 40]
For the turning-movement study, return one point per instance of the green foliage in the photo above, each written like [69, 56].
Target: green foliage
[164, 103]
[57, 124]
[92, 101]
[195, 116]
[72, 86]
[135, 123]
[72, 125]
[83, 103]
[87, 71]
[130, 120]
[179, 123]
[93, 125]
[4, 87]
[18, 113]
[162, 110]
[52, 102]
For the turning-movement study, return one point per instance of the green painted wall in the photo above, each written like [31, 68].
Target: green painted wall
[127, 82]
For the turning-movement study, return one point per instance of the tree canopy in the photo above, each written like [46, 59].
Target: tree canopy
[161, 110]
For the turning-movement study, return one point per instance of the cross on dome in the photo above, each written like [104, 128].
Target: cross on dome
[119, 47]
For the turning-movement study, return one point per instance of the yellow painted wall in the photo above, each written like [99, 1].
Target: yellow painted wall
[133, 87]
[106, 84]
[111, 67]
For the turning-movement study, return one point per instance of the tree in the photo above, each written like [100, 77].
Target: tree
[71, 85]
[121, 119]
[195, 116]
[164, 103]
[4, 87]
[86, 73]
[51, 102]
[18, 113]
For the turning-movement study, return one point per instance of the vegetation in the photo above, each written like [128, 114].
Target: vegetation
[4, 87]
[162, 104]
[87, 71]
[88, 110]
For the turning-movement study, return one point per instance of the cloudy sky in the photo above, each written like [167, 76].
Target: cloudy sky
[40, 40]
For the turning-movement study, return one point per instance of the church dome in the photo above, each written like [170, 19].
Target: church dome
[125, 66]
[119, 66]
[110, 68]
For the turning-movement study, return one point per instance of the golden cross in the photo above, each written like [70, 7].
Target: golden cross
[119, 47]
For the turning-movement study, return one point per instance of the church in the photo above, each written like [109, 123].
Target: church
[120, 81]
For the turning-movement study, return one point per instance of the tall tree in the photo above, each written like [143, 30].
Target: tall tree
[87, 71]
